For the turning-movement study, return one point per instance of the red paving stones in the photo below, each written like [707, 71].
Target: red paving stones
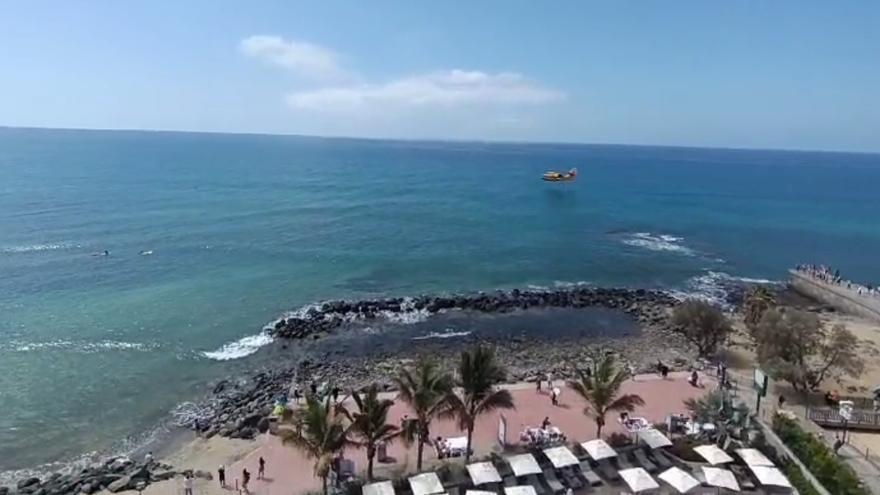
[288, 471]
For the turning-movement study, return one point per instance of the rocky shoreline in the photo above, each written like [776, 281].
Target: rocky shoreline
[115, 475]
[240, 408]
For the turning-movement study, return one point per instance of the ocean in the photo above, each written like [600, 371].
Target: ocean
[211, 237]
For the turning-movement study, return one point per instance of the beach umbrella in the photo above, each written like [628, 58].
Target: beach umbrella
[754, 457]
[380, 488]
[721, 478]
[524, 465]
[598, 449]
[561, 457]
[638, 480]
[654, 438]
[679, 479]
[770, 476]
[713, 454]
[520, 490]
[426, 484]
[483, 472]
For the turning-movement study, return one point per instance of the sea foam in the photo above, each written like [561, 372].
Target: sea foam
[240, 348]
[658, 242]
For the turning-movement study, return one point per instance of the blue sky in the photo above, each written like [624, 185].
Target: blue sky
[777, 74]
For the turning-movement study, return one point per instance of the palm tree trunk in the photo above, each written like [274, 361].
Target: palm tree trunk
[324, 484]
[470, 433]
[371, 453]
[421, 449]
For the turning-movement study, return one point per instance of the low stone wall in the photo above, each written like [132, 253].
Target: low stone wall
[840, 298]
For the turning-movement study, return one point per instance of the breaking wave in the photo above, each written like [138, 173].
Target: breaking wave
[448, 334]
[717, 288]
[32, 248]
[658, 242]
[82, 347]
[242, 347]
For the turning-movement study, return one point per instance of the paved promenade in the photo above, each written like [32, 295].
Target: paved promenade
[288, 471]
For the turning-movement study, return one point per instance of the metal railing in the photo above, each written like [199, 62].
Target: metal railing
[861, 419]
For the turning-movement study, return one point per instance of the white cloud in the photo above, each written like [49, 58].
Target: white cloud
[303, 58]
[444, 89]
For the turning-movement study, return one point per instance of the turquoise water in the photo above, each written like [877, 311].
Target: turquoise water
[243, 228]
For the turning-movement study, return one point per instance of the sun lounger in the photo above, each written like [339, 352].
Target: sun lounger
[742, 477]
[510, 480]
[642, 459]
[608, 470]
[623, 461]
[533, 480]
[453, 490]
[552, 481]
[663, 459]
[570, 477]
[592, 478]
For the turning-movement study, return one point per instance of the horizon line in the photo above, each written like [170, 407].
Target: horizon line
[437, 140]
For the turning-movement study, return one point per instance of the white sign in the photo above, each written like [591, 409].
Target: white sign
[502, 431]
[761, 382]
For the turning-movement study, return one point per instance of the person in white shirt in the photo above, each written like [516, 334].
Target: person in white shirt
[188, 485]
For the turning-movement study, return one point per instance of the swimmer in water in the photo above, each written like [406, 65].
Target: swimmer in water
[146, 252]
[103, 253]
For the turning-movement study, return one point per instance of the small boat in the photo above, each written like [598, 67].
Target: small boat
[553, 176]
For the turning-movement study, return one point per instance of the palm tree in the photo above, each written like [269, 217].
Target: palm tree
[426, 388]
[757, 302]
[320, 432]
[600, 388]
[370, 422]
[478, 372]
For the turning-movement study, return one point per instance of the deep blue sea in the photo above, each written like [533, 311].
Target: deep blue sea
[212, 236]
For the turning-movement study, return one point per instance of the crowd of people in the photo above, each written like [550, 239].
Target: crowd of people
[831, 276]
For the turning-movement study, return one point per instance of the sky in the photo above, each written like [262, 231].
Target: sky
[755, 74]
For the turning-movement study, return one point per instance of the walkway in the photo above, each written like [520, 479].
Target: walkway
[866, 470]
[288, 471]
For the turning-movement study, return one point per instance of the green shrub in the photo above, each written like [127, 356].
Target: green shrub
[834, 474]
[798, 480]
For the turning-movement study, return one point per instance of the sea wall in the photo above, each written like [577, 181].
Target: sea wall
[838, 297]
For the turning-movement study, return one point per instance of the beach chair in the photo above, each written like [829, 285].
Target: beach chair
[663, 459]
[623, 461]
[660, 459]
[608, 470]
[643, 460]
[553, 482]
[509, 480]
[589, 476]
[743, 478]
[570, 477]
[535, 481]
[580, 453]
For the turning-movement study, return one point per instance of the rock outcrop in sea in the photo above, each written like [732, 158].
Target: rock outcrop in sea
[640, 303]
[239, 409]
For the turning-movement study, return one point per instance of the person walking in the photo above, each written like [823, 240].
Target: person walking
[221, 476]
[261, 472]
[188, 484]
[245, 479]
